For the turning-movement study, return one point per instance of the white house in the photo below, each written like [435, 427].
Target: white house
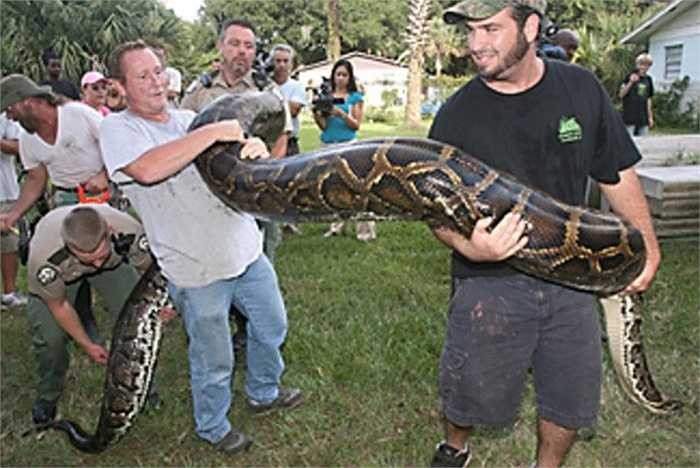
[374, 74]
[673, 39]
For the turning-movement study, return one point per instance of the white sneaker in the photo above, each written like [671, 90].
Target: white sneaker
[13, 299]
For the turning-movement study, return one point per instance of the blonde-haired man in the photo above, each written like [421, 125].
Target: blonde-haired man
[636, 93]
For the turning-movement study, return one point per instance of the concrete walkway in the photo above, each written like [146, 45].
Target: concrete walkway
[660, 150]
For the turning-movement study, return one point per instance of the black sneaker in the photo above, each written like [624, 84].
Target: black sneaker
[43, 412]
[234, 442]
[286, 398]
[448, 456]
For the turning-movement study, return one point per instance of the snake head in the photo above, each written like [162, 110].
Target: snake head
[260, 113]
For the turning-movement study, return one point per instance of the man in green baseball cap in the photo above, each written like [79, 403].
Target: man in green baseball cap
[481, 9]
[551, 125]
[15, 88]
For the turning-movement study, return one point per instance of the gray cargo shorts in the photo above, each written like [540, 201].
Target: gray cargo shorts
[499, 327]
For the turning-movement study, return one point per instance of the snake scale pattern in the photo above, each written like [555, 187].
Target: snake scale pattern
[131, 365]
[397, 178]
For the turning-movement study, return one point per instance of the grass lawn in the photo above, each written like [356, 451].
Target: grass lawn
[366, 329]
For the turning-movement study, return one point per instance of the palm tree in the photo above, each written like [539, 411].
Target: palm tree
[82, 32]
[333, 47]
[416, 37]
[443, 42]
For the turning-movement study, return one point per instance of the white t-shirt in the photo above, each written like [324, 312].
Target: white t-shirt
[75, 157]
[9, 188]
[293, 91]
[195, 237]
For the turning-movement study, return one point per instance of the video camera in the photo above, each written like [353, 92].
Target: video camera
[323, 100]
[263, 65]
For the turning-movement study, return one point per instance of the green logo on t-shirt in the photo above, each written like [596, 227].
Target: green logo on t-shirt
[642, 90]
[569, 130]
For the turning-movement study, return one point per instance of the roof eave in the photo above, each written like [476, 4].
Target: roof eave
[649, 27]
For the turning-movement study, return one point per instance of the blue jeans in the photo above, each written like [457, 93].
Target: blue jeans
[637, 130]
[205, 311]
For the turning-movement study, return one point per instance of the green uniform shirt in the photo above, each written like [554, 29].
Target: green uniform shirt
[51, 265]
[199, 96]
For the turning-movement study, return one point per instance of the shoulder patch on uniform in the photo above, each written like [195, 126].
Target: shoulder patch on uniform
[143, 243]
[46, 275]
[59, 257]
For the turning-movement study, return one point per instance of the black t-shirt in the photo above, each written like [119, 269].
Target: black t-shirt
[551, 137]
[63, 87]
[634, 104]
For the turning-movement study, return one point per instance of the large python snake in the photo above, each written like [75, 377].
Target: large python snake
[395, 178]
[131, 365]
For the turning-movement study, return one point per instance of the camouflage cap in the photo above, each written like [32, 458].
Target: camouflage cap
[481, 9]
[16, 87]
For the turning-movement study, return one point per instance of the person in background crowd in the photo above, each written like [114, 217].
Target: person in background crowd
[568, 41]
[283, 59]
[93, 87]
[116, 98]
[636, 93]
[551, 125]
[52, 63]
[174, 77]
[207, 270]
[9, 191]
[340, 125]
[71, 244]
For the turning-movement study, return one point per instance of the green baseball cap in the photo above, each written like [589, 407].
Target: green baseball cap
[481, 9]
[15, 87]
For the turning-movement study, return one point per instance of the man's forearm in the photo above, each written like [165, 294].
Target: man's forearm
[627, 199]
[163, 161]
[9, 146]
[32, 188]
[68, 320]
[279, 149]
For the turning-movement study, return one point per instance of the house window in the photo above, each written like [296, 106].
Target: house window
[672, 69]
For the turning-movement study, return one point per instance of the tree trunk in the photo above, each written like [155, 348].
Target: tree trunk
[416, 34]
[333, 45]
[414, 91]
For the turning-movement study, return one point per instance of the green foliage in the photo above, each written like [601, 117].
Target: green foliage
[447, 85]
[390, 97]
[385, 115]
[302, 24]
[82, 32]
[668, 107]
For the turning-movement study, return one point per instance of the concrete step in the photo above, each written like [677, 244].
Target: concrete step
[672, 181]
[675, 207]
[673, 195]
[676, 227]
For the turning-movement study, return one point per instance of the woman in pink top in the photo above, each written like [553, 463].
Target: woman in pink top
[93, 88]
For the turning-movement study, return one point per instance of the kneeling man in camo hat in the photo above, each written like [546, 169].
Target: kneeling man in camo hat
[98, 243]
